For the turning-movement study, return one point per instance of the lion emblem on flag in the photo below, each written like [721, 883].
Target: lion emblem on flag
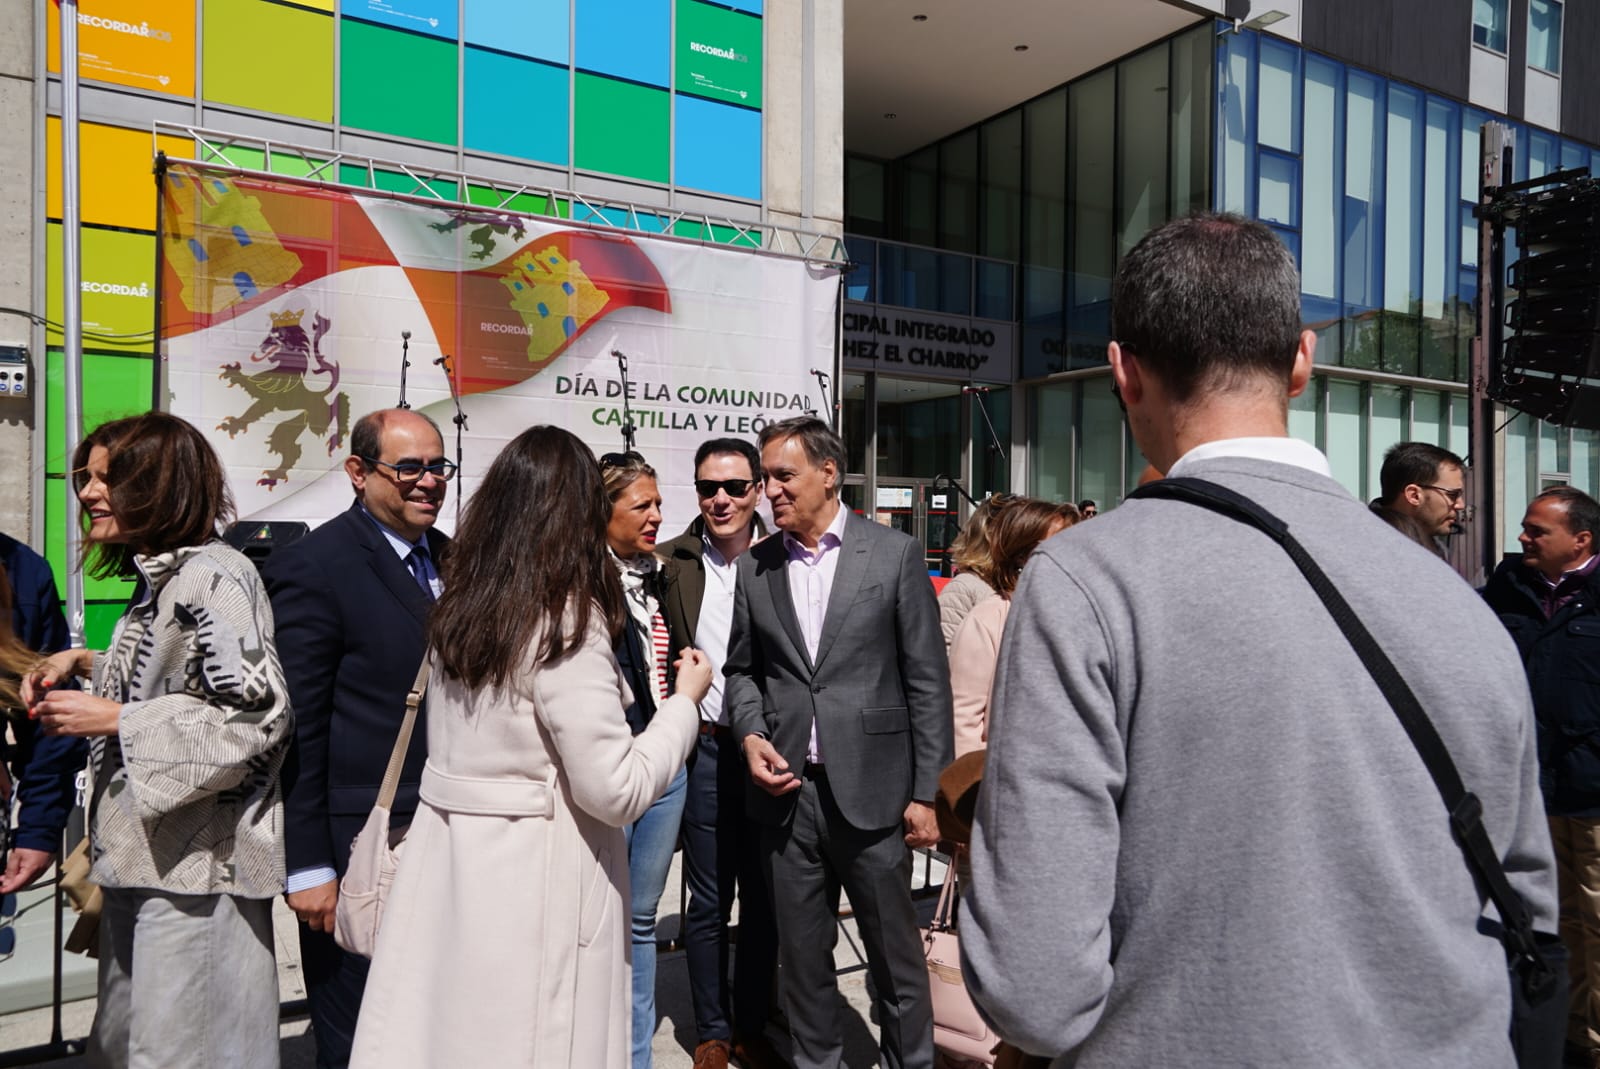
[287, 383]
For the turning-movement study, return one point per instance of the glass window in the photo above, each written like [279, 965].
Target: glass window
[958, 192]
[1280, 189]
[1044, 240]
[1094, 256]
[1460, 443]
[919, 428]
[864, 197]
[1277, 93]
[1236, 64]
[1441, 238]
[1304, 411]
[853, 426]
[1190, 153]
[1517, 493]
[859, 285]
[1142, 144]
[1050, 460]
[1363, 187]
[996, 298]
[1555, 449]
[1544, 35]
[1427, 417]
[1585, 460]
[919, 203]
[1319, 267]
[1100, 443]
[1343, 444]
[1001, 192]
[1402, 275]
[1386, 428]
[1489, 24]
[1543, 154]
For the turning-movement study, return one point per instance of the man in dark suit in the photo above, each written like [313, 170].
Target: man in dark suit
[721, 844]
[46, 765]
[351, 601]
[839, 695]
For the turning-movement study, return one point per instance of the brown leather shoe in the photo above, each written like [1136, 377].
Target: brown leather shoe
[757, 1052]
[712, 1054]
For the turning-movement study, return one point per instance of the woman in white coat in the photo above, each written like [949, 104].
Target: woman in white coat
[505, 940]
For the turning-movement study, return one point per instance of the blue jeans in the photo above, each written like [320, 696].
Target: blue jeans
[651, 840]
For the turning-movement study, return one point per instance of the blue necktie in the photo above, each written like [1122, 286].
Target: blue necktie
[417, 561]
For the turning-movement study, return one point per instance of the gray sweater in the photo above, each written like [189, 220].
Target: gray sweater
[1204, 839]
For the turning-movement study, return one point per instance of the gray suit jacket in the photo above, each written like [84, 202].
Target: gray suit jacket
[879, 689]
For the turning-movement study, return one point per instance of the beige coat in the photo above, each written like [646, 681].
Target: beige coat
[973, 657]
[505, 940]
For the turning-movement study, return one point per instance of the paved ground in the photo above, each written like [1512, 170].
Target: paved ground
[674, 1040]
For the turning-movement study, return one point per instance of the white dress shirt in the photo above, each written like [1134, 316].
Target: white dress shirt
[810, 573]
[714, 626]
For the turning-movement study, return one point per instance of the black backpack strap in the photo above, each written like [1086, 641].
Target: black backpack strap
[1466, 812]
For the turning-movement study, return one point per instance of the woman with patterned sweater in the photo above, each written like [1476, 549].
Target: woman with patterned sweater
[188, 722]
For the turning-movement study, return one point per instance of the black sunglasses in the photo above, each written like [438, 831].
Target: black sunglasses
[621, 460]
[734, 487]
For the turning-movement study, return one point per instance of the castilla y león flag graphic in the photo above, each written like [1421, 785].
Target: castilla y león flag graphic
[502, 300]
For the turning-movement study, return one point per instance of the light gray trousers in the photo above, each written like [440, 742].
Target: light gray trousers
[186, 982]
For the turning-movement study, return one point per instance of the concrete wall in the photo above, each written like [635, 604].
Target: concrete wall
[18, 216]
[803, 159]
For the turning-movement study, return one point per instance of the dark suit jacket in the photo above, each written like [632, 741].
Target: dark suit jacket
[45, 764]
[351, 633]
[879, 689]
[684, 562]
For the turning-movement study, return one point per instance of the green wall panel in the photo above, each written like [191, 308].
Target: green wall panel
[119, 278]
[532, 203]
[621, 128]
[252, 159]
[113, 387]
[718, 54]
[268, 56]
[397, 83]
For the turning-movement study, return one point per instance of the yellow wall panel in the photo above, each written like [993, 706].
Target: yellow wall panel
[148, 45]
[117, 187]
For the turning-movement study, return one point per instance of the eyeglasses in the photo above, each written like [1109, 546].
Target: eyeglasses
[411, 471]
[630, 459]
[1453, 495]
[734, 487]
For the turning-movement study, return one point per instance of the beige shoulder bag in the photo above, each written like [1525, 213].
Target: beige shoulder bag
[375, 854]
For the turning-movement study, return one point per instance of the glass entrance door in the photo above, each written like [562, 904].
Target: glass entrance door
[932, 517]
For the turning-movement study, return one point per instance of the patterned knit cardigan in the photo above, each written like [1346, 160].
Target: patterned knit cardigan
[186, 794]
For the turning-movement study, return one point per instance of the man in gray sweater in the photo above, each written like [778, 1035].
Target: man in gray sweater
[1203, 837]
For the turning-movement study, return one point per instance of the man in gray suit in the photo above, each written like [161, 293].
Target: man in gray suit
[839, 697]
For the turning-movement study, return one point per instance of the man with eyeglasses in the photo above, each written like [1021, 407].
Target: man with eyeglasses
[721, 844]
[351, 600]
[1425, 484]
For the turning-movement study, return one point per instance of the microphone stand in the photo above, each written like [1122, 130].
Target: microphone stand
[823, 384]
[460, 419]
[627, 410]
[977, 393]
[953, 485]
[405, 362]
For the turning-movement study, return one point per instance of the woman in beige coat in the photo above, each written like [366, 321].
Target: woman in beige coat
[975, 650]
[505, 940]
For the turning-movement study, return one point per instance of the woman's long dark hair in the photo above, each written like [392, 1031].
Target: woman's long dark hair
[532, 542]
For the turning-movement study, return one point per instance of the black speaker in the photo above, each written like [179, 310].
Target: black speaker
[1549, 364]
[257, 539]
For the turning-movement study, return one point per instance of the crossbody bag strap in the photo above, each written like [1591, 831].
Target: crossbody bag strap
[402, 742]
[1466, 811]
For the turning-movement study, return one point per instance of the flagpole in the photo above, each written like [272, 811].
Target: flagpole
[72, 308]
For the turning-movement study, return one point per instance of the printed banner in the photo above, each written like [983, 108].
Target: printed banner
[284, 309]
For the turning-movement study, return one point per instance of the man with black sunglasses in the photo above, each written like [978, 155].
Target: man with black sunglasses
[721, 844]
[351, 601]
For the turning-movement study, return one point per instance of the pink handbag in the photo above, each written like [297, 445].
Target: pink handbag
[375, 854]
[958, 1031]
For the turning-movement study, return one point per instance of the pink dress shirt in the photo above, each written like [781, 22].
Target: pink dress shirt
[810, 586]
